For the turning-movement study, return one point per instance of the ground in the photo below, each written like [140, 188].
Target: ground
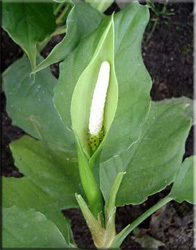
[168, 55]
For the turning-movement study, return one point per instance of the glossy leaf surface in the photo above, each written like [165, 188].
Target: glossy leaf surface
[28, 23]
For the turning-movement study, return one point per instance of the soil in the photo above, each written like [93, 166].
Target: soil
[168, 56]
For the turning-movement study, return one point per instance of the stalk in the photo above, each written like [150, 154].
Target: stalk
[127, 230]
[90, 186]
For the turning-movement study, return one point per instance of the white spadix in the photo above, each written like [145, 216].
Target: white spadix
[99, 99]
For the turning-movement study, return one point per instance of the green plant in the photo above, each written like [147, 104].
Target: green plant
[139, 144]
[160, 13]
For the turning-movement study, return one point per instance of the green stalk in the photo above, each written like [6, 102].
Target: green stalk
[90, 186]
[60, 30]
[63, 15]
[103, 235]
[59, 6]
[127, 230]
[153, 29]
[42, 45]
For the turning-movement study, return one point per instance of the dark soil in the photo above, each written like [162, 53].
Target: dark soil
[168, 56]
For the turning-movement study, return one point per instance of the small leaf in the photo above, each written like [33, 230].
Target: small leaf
[93, 224]
[30, 228]
[183, 187]
[147, 242]
[28, 23]
[81, 21]
[55, 172]
[114, 191]
[31, 108]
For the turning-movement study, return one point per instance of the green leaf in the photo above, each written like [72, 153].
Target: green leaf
[81, 21]
[29, 228]
[134, 82]
[183, 186]
[55, 172]
[146, 241]
[31, 107]
[100, 5]
[151, 163]
[28, 23]
[25, 195]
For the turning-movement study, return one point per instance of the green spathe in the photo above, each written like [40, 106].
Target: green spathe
[83, 91]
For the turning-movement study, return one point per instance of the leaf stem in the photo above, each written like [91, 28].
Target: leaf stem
[63, 15]
[127, 230]
[59, 6]
[60, 30]
[153, 29]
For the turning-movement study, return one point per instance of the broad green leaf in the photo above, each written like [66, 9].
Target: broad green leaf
[25, 195]
[80, 106]
[31, 107]
[100, 5]
[28, 23]
[55, 172]
[82, 20]
[152, 162]
[29, 228]
[134, 82]
[183, 187]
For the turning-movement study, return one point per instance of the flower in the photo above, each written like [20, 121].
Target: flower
[98, 100]
[96, 132]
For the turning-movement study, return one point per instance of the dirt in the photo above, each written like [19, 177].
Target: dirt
[168, 56]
